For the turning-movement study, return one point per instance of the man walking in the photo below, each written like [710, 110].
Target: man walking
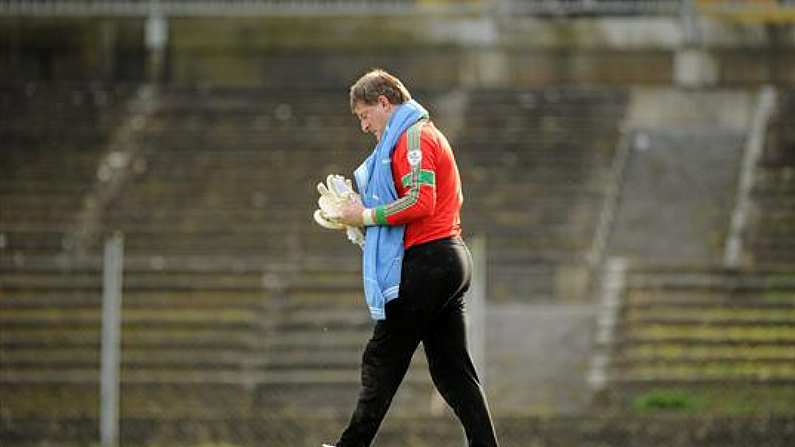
[416, 266]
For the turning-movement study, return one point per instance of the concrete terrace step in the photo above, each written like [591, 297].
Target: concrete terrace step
[325, 300]
[199, 242]
[347, 338]
[676, 352]
[323, 311]
[503, 155]
[133, 337]
[200, 282]
[532, 173]
[67, 170]
[513, 204]
[275, 216]
[178, 141]
[60, 300]
[521, 224]
[775, 258]
[217, 263]
[60, 226]
[328, 359]
[530, 242]
[714, 320]
[765, 313]
[722, 371]
[210, 239]
[726, 298]
[772, 202]
[705, 280]
[525, 188]
[775, 228]
[698, 332]
[132, 359]
[202, 218]
[48, 123]
[323, 320]
[701, 365]
[250, 121]
[317, 359]
[91, 376]
[54, 318]
[50, 239]
[132, 281]
[177, 102]
[621, 343]
[48, 220]
[36, 199]
[773, 244]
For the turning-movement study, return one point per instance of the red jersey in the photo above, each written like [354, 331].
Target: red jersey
[429, 189]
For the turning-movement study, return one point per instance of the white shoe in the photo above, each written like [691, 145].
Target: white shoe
[326, 445]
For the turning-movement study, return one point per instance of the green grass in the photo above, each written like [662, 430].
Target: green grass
[742, 400]
[665, 400]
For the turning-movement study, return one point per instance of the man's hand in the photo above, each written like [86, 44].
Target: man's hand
[340, 208]
[350, 212]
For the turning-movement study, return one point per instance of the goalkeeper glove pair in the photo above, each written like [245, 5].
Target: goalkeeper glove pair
[334, 194]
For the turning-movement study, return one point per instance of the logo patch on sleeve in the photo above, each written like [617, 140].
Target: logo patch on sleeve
[415, 157]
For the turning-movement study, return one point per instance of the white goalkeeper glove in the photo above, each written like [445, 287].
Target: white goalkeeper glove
[335, 193]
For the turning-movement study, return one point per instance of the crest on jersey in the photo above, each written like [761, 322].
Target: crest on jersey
[415, 157]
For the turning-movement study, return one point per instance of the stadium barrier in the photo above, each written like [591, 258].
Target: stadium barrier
[766, 101]
[250, 8]
[232, 8]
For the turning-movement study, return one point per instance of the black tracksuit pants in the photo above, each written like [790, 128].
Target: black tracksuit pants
[430, 309]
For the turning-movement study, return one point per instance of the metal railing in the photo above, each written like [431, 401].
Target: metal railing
[228, 8]
[254, 8]
[592, 7]
[733, 250]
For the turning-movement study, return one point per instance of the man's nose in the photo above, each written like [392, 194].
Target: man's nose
[365, 126]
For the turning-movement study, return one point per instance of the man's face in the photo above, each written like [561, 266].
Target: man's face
[373, 117]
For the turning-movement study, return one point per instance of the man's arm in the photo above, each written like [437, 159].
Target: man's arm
[417, 172]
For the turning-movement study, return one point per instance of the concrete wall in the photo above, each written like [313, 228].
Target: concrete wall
[71, 49]
[438, 50]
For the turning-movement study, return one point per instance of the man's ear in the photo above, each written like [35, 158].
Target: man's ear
[383, 101]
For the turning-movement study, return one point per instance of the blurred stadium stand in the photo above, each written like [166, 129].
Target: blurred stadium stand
[534, 188]
[221, 254]
[721, 339]
[54, 136]
[243, 321]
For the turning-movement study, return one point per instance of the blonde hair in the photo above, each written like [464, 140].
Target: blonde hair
[375, 83]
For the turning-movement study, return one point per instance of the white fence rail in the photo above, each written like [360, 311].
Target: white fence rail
[111, 340]
[733, 250]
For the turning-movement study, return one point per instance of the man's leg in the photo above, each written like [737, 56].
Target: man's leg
[384, 364]
[454, 374]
